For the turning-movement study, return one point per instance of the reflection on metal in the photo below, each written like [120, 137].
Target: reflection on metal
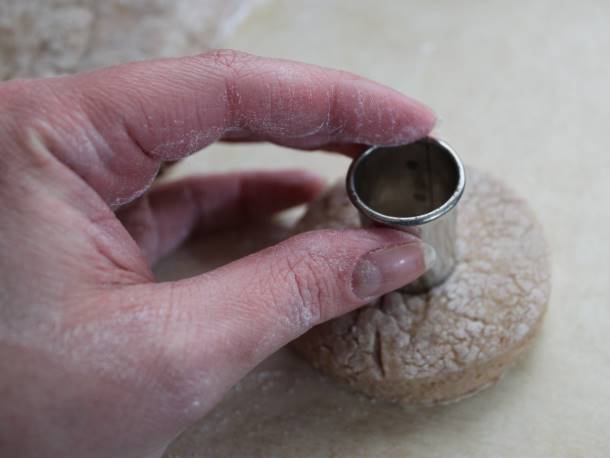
[413, 188]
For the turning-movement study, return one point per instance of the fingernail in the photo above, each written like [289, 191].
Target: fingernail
[388, 269]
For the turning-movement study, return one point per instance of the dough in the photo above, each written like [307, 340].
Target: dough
[458, 338]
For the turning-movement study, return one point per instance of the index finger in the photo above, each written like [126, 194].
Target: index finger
[137, 115]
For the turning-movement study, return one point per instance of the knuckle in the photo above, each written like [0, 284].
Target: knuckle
[27, 134]
[31, 108]
[14, 89]
[228, 58]
[28, 100]
[230, 65]
[310, 280]
[18, 110]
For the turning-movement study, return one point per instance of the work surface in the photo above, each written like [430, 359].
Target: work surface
[524, 93]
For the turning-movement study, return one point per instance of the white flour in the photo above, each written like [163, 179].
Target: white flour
[49, 37]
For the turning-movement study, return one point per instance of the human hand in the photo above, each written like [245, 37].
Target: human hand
[98, 359]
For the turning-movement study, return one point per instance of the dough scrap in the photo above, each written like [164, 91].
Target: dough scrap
[458, 338]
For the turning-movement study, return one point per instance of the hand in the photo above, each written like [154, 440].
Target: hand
[98, 359]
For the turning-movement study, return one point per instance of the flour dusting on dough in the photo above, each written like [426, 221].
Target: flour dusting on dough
[461, 336]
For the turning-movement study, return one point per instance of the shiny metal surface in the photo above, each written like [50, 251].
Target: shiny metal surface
[413, 188]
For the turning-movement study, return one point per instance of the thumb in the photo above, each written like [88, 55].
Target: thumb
[219, 325]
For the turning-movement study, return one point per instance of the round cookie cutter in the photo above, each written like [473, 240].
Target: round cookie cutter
[413, 188]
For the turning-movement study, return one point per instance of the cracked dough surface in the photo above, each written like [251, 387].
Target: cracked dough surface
[461, 336]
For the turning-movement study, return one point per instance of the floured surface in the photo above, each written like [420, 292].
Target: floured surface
[462, 335]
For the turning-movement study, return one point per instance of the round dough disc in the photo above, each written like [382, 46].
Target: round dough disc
[458, 338]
